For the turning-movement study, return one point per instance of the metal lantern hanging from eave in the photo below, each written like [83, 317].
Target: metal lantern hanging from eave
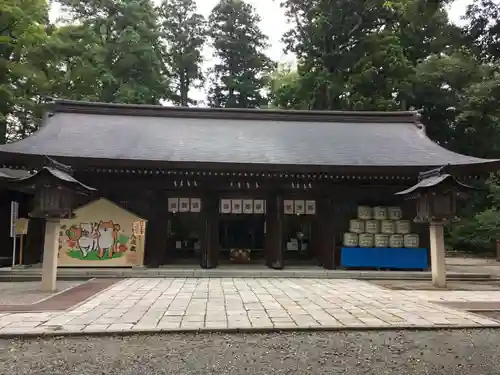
[436, 196]
[55, 190]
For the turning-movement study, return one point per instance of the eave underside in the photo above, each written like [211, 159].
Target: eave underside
[28, 161]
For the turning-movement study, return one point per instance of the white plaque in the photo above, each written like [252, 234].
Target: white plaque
[14, 214]
[288, 207]
[184, 205]
[225, 206]
[310, 207]
[299, 206]
[236, 206]
[195, 204]
[258, 206]
[173, 204]
[247, 206]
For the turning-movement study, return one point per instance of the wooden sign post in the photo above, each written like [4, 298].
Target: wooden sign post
[21, 229]
[139, 231]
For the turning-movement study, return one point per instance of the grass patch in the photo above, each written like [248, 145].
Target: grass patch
[77, 254]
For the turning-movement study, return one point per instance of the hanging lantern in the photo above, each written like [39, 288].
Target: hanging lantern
[55, 190]
[436, 196]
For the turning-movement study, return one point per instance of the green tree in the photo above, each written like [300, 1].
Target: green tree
[437, 89]
[482, 29]
[239, 77]
[119, 40]
[357, 54]
[284, 89]
[184, 32]
[23, 34]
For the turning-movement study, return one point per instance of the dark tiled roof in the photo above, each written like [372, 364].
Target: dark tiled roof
[148, 133]
[7, 173]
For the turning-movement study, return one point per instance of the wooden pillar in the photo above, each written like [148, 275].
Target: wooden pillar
[326, 233]
[438, 264]
[50, 252]
[274, 232]
[210, 234]
[33, 248]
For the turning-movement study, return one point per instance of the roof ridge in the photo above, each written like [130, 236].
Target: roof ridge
[72, 106]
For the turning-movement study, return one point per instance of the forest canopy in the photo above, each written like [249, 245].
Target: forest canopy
[351, 55]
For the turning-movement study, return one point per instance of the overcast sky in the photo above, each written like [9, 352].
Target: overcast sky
[274, 24]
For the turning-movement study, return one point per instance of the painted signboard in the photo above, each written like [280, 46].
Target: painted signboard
[101, 235]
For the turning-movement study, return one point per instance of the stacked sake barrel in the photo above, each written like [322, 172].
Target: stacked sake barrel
[380, 227]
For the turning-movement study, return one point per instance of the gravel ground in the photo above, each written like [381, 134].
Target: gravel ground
[383, 352]
[28, 292]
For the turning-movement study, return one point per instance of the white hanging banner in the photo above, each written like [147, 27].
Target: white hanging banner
[259, 206]
[236, 206]
[225, 206]
[173, 204]
[247, 206]
[299, 207]
[288, 207]
[310, 207]
[195, 204]
[184, 205]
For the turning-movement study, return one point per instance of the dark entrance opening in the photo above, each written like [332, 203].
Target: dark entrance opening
[243, 233]
[184, 238]
[297, 242]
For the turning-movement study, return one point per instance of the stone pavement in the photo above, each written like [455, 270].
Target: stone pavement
[176, 304]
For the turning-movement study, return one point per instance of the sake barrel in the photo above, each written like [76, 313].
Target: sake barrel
[388, 226]
[350, 239]
[381, 240]
[372, 226]
[395, 213]
[396, 240]
[380, 213]
[365, 212]
[403, 226]
[411, 240]
[366, 240]
[356, 226]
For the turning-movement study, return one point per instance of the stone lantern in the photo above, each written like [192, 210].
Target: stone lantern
[436, 195]
[55, 192]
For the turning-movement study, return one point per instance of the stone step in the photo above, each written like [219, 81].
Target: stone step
[85, 273]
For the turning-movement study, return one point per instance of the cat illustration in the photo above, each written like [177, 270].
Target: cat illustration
[106, 240]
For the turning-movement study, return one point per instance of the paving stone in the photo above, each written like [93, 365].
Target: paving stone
[260, 303]
[192, 325]
[119, 327]
[193, 318]
[96, 328]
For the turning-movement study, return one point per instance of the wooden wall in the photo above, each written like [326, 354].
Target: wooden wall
[147, 197]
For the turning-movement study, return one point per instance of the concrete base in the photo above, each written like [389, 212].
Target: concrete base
[50, 256]
[63, 273]
[438, 265]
